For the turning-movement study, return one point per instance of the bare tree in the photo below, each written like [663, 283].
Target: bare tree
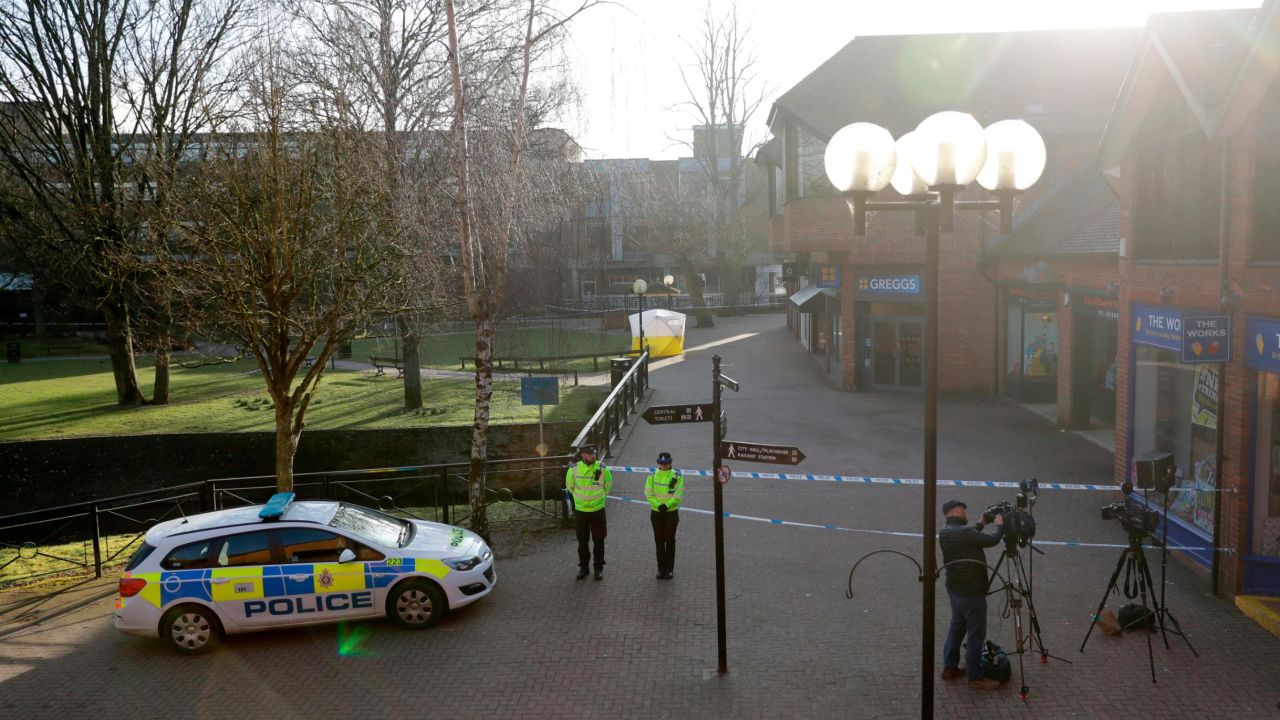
[101, 98]
[724, 92]
[492, 184]
[286, 242]
[383, 63]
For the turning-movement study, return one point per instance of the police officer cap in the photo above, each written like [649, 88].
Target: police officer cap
[950, 505]
[587, 449]
[664, 458]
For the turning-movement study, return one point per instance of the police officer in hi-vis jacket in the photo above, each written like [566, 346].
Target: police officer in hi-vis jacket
[588, 483]
[664, 490]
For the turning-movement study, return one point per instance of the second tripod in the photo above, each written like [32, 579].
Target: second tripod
[1021, 583]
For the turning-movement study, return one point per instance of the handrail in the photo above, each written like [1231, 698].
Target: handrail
[636, 374]
[88, 504]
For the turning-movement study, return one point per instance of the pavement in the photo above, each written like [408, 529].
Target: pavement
[546, 646]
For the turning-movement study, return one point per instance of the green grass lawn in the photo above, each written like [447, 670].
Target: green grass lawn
[76, 398]
[444, 350]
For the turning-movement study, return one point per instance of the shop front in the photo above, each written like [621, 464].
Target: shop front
[1031, 343]
[889, 317]
[1262, 553]
[1175, 375]
[1093, 359]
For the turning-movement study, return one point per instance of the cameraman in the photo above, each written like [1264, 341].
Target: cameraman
[967, 586]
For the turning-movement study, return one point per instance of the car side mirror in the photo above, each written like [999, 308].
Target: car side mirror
[347, 555]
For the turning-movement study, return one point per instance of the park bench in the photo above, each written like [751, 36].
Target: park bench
[68, 349]
[382, 363]
[501, 363]
[552, 371]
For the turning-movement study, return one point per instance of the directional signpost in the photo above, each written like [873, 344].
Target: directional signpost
[667, 414]
[760, 452]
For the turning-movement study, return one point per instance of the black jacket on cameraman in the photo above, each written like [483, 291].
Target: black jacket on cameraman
[966, 543]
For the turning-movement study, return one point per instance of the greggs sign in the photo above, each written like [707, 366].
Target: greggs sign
[881, 285]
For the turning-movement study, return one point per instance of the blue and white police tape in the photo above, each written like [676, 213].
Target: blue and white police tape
[872, 480]
[891, 533]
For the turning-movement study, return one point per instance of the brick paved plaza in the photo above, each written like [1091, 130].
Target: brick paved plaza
[543, 645]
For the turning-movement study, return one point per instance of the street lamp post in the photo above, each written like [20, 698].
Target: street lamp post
[945, 153]
[669, 280]
[640, 287]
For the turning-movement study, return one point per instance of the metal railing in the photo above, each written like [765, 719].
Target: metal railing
[609, 419]
[100, 534]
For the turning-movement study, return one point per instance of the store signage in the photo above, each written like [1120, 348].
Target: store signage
[1262, 344]
[1158, 326]
[827, 275]
[790, 271]
[1099, 306]
[1032, 296]
[882, 285]
[1206, 338]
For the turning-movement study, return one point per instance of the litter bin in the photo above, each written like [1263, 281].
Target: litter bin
[344, 351]
[617, 368]
[14, 351]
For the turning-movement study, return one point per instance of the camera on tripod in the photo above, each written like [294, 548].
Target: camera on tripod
[1134, 521]
[1019, 524]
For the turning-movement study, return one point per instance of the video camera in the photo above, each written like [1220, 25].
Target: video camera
[1136, 521]
[1019, 525]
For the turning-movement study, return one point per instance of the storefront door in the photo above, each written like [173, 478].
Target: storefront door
[897, 346]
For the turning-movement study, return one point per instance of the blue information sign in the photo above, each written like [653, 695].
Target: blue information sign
[540, 390]
[1262, 344]
[1158, 326]
[882, 285]
[1206, 338]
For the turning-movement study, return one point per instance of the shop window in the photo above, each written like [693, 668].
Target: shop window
[1266, 181]
[1266, 501]
[1175, 411]
[1178, 185]
[1031, 346]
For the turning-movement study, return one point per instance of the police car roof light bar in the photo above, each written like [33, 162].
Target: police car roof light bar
[276, 506]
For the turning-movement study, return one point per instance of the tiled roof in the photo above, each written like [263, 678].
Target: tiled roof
[1080, 218]
[1062, 81]
[1205, 48]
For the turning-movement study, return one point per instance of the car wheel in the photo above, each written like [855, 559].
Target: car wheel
[190, 629]
[416, 604]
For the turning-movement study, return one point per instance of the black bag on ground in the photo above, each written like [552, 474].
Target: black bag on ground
[995, 665]
[1136, 617]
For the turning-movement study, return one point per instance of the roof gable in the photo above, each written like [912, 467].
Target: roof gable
[895, 81]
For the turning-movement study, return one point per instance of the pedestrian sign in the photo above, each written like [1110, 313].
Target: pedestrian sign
[761, 453]
[667, 414]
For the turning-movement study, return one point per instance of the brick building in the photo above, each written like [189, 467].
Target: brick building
[1140, 288]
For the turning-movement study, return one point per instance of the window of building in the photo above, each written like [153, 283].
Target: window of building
[1266, 505]
[1178, 185]
[813, 173]
[1265, 242]
[1175, 410]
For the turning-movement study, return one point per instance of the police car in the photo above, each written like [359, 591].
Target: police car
[291, 563]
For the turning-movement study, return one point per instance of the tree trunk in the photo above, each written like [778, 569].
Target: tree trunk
[286, 446]
[412, 364]
[480, 429]
[160, 394]
[120, 349]
[696, 299]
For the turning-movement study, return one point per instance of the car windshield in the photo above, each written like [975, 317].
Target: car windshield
[372, 525]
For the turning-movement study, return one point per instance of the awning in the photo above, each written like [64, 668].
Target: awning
[812, 298]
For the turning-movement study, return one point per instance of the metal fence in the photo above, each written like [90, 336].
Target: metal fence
[103, 533]
[612, 415]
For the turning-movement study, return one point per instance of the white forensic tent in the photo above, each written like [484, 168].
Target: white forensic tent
[663, 332]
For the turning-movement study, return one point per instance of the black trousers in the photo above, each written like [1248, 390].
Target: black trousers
[664, 537]
[590, 525]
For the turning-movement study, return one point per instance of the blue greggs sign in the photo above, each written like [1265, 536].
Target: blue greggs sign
[880, 285]
[1158, 326]
[1262, 344]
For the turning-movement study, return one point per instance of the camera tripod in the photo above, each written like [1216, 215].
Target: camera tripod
[1022, 576]
[1137, 583]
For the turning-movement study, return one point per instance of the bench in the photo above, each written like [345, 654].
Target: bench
[69, 349]
[500, 363]
[382, 363]
[311, 360]
[552, 371]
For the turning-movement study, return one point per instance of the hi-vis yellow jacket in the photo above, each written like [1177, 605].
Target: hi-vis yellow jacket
[665, 487]
[587, 489]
